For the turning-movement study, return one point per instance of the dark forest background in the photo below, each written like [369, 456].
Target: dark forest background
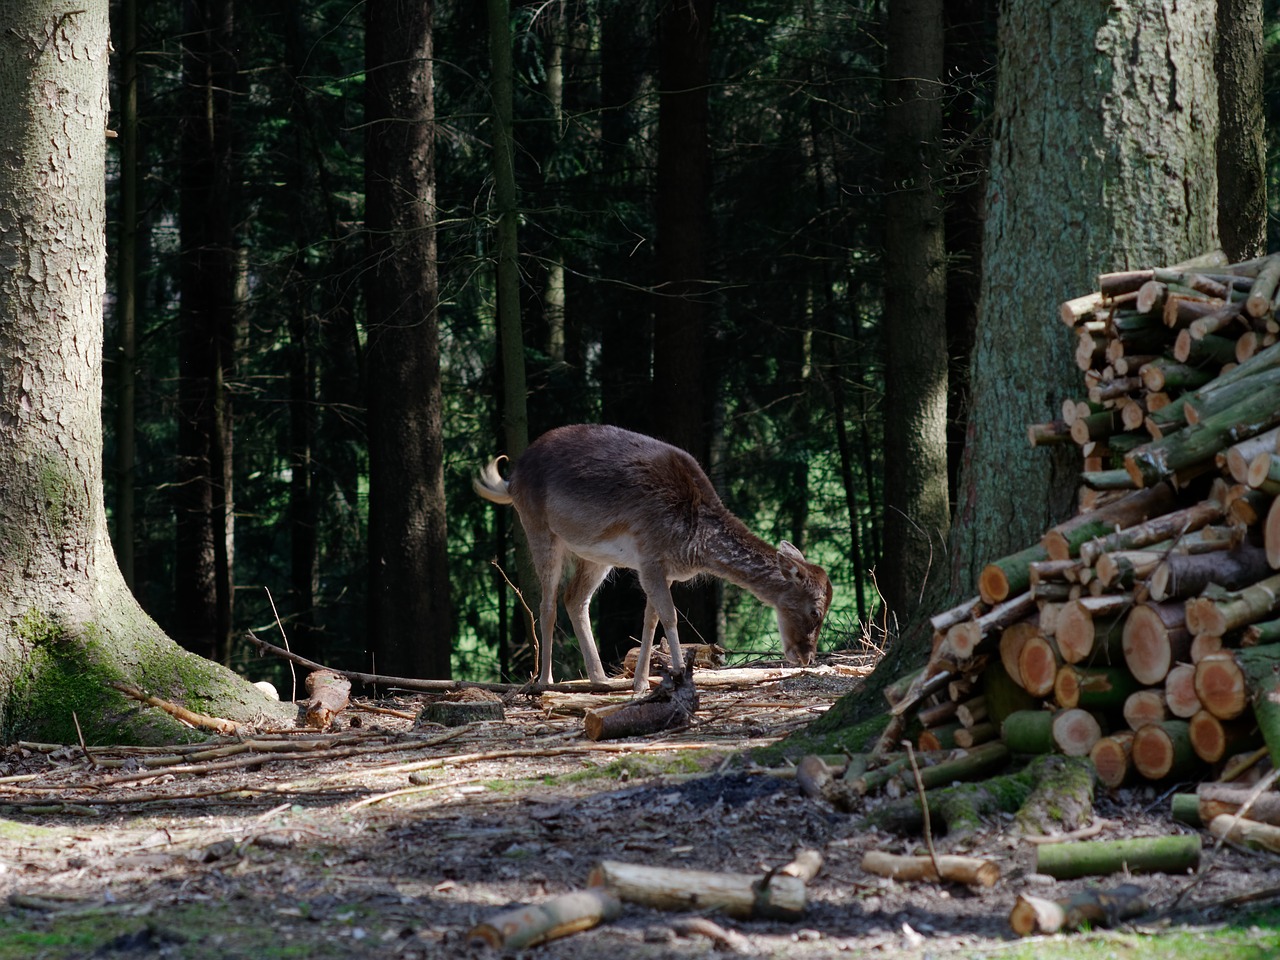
[238, 375]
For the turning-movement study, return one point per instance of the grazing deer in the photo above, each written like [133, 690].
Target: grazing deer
[613, 498]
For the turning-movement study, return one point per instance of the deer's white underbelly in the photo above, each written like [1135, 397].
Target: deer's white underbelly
[620, 551]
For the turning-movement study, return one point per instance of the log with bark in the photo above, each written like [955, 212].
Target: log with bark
[971, 871]
[1038, 916]
[1167, 854]
[1147, 603]
[774, 896]
[671, 705]
[560, 916]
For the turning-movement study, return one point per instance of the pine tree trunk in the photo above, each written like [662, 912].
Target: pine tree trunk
[410, 622]
[917, 515]
[207, 324]
[683, 381]
[68, 623]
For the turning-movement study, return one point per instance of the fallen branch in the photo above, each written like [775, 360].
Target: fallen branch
[189, 717]
[411, 683]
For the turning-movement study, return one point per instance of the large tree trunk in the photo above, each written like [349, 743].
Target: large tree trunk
[917, 515]
[410, 618]
[209, 276]
[1088, 95]
[68, 623]
[683, 383]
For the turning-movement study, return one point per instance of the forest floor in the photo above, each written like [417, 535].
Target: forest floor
[257, 853]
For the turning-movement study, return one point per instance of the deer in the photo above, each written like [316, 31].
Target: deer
[608, 497]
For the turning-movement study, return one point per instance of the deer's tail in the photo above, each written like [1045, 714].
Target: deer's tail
[489, 484]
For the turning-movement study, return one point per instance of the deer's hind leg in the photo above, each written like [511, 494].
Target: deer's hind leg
[587, 577]
[548, 554]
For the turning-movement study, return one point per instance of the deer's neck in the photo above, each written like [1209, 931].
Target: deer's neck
[732, 552]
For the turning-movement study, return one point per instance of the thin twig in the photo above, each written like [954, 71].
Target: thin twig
[293, 674]
[80, 736]
[924, 806]
[533, 621]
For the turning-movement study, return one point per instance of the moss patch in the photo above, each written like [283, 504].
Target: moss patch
[64, 681]
[857, 738]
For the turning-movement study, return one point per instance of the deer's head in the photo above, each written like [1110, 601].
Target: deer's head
[803, 605]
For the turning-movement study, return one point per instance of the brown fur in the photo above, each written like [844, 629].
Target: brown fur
[611, 498]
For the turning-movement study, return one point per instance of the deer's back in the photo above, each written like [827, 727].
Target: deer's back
[614, 495]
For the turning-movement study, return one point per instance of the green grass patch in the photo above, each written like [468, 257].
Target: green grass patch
[203, 932]
[1251, 936]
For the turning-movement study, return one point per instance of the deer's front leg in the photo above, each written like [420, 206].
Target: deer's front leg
[641, 684]
[658, 590]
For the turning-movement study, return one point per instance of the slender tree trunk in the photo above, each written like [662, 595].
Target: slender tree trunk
[626, 332]
[683, 383]
[208, 277]
[1242, 150]
[68, 623]
[410, 615]
[969, 54]
[917, 516]
[1088, 94]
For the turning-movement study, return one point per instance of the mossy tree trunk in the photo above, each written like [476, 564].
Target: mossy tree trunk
[68, 623]
[1103, 158]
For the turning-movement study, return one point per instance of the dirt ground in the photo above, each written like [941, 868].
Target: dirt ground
[381, 839]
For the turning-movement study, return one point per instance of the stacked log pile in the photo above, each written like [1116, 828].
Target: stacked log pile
[1144, 631]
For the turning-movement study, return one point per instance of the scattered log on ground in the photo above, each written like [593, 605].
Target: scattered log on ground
[956, 811]
[971, 871]
[1251, 833]
[1037, 916]
[1067, 861]
[746, 896]
[671, 705]
[816, 780]
[1215, 799]
[560, 916]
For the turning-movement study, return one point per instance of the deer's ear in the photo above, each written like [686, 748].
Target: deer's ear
[788, 550]
[790, 561]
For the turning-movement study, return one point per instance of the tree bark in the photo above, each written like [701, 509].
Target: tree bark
[68, 624]
[683, 381]
[1242, 152]
[917, 515]
[209, 274]
[410, 617]
[1076, 74]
